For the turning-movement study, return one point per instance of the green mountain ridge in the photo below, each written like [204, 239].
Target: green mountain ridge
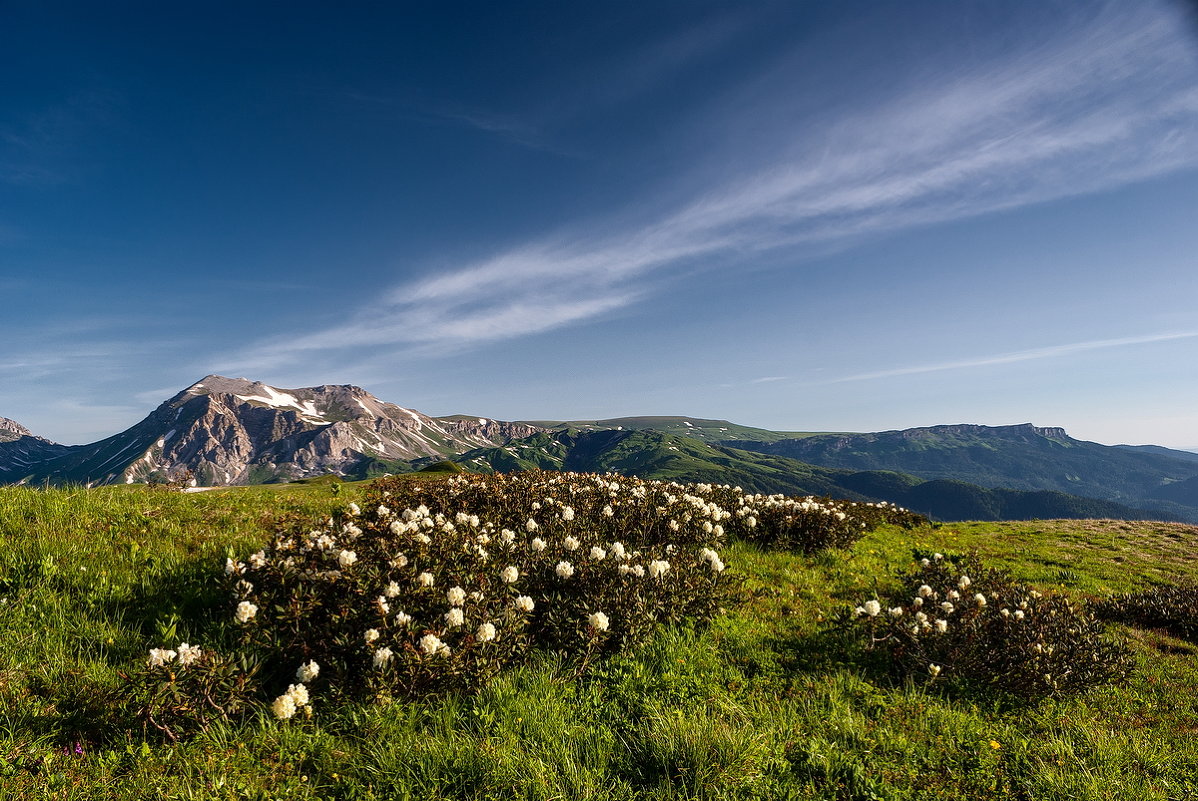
[664, 456]
[715, 431]
[1022, 457]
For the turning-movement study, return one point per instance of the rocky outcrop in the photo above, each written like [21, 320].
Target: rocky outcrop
[11, 430]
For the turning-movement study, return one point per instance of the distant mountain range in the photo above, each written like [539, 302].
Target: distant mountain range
[1021, 457]
[224, 431]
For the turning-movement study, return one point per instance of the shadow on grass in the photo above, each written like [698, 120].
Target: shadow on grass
[838, 647]
[82, 703]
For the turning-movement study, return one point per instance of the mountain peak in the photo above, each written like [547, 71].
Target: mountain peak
[219, 384]
[11, 429]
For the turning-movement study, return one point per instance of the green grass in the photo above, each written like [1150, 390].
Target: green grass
[767, 702]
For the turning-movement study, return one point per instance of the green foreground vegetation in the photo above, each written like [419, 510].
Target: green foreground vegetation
[768, 701]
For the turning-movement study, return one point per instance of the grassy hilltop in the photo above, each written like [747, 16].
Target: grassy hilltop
[770, 699]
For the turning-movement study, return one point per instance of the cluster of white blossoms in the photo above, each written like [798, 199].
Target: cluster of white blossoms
[185, 655]
[598, 621]
[713, 559]
[161, 656]
[245, 612]
[290, 702]
[871, 607]
[432, 645]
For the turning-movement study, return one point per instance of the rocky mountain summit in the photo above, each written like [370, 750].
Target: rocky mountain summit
[223, 431]
[11, 430]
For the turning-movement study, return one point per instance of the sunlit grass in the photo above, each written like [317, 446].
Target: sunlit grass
[766, 702]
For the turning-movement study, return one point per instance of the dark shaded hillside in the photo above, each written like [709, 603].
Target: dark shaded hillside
[1021, 457]
[21, 456]
[1182, 492]
[955, 500]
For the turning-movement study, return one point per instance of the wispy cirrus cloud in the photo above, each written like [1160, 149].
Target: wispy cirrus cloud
[1112, 100]
[1031, 354]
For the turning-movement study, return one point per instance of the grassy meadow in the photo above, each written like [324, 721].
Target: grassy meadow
[770, 700]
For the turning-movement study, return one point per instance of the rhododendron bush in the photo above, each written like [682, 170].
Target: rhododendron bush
[960, 622]
[432, 585]
[1170, 607]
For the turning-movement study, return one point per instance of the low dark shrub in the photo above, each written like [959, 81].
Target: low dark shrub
[178, 692]
[1170, 607]
[975, 628]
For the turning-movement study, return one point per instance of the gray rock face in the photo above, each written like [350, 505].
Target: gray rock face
[236, 431]
[11, 430]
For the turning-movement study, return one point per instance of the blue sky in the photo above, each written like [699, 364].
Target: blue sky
[845, 216]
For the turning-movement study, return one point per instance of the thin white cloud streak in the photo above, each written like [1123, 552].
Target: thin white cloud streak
[1033, 354]
[1115, 102]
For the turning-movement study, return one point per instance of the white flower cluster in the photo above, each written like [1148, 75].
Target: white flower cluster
[245, 612]
[185, 655]
[713, 559]
[287, 704]
[432, 645]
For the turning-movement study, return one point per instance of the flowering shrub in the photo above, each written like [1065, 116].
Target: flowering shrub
[1173, 608]
[807, 524]
[882, 512]
[431, 585]
[179, 691]
[960, 622]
